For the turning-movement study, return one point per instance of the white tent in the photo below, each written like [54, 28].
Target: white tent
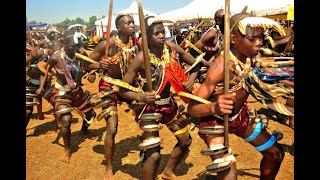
[206, 8]
[132, 10]
[269, 7]
[201, 9]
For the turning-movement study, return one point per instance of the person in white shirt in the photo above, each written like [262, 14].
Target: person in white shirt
[78, 36]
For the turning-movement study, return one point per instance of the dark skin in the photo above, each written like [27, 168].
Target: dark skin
[156, 41]
[65, 129]
[211, 38]
[125, 28]
[242, 46]
[31, 55]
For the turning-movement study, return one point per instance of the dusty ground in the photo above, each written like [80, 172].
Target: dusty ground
[44, 147]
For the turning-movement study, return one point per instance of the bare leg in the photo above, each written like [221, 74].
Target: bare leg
[66, 134]
[228, 174]
[151, 164]
[88, 115]
[112, 125]
[271, 161]
[272, 157]
[39, 109]
[178, 152]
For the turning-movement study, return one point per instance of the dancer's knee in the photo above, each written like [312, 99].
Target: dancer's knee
[185, 144]
[65, 120]
[276, 154]
[153, 155]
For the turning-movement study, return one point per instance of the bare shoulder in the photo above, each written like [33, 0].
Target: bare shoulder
[212, 33]
[216, 70]
[101, 46]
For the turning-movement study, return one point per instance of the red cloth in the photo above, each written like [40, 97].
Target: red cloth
[175, 75]
[78, 99]
[103, 85]
[168, 111]
[237, 126]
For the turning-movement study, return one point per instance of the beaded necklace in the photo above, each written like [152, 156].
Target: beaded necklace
[115, 59]
[240, 70]
[240, 67]
[164, 58]
[122, 45]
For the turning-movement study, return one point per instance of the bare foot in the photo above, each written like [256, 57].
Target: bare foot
[66, 157]
[168, 177]
[108, 175]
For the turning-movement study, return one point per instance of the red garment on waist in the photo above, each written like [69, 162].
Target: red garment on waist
[168, 111]
[237, 126]
[78, 99]
[104, 85]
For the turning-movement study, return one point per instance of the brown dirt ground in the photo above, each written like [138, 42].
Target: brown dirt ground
[44, 148]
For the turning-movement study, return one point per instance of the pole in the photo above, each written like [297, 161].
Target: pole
[108, 29]
[101, 28]
[226, 66]
[145, 47]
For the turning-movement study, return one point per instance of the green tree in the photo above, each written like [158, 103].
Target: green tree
[66, 22]
[79, 20]
[33, 22]
[92, 20]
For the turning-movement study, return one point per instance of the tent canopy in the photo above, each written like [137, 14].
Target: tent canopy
[205, 9]
[37, 25]
[75, 25]
[132, 10]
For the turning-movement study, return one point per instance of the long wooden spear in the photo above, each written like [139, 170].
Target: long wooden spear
[101, 28]
[191, 32]
[108, 29]
[145, 47]
[244, 10]
[226, 66]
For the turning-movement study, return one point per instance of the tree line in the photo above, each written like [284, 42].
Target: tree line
[78, 20]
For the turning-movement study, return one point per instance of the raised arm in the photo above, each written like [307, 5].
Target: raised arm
[214, 75]
[136, 66]
[96, 55]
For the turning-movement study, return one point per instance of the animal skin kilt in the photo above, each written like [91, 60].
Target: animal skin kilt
[168, 111]
[79, 100]
[78, 97]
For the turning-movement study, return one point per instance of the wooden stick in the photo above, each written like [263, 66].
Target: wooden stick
[226, 66]
[198, 59]
[145, 47]
[86, 58]
[101, 28]
[191, 32]
[244, 10]
[108, 30]
[193, 97]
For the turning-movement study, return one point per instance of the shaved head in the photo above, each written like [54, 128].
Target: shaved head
[219, 13]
